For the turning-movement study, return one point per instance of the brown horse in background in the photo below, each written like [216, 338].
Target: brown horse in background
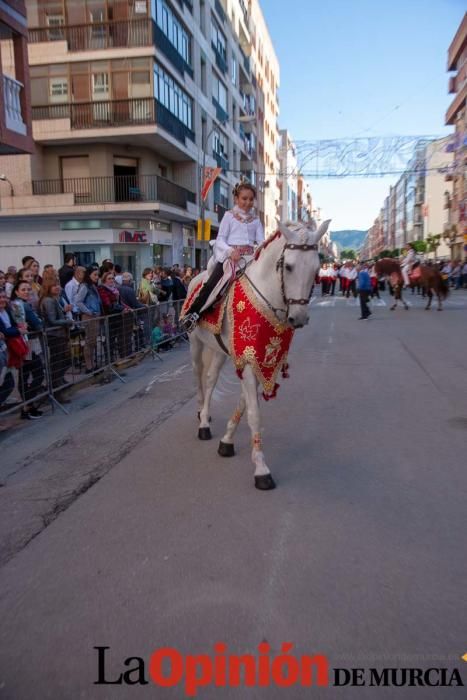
[430, 279]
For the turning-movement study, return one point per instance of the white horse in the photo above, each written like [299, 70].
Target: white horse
[282, 278]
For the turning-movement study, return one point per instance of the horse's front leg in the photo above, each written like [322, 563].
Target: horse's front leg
[210, 378]
[196, 350]
[226, 447]
[263, 478]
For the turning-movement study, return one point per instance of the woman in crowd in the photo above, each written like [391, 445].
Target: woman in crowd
[58, 330]
[27, 275]
[88, 302]
[8, 329]
[2, 280]
[147, 293]
[119, 327]
[34, 266]
[31, 372]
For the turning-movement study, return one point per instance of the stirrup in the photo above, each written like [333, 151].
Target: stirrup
[189, 322]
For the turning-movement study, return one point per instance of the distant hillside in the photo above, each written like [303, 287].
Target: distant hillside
[348, 239]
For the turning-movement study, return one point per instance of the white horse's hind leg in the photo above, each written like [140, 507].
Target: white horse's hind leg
[209, 382]
[263, 478]
[226, 448]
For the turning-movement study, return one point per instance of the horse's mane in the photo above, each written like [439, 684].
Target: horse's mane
[386, 266]
[266, 242]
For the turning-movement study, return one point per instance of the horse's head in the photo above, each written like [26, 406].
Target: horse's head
[298, 267]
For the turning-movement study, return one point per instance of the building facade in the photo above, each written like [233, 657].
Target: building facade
[456, 116]
[15, 98]
[288, 178]
[129, 99]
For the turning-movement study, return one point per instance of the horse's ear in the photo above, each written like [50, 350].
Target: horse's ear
[322, 229]
[312, 225]
[285, 231]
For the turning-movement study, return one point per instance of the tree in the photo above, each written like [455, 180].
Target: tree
[420, 246]
[348, 254]
[433, 241]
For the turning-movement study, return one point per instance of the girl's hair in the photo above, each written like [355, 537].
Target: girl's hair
[16, 287]
[146, 271]
[20, 272]
[240, 186]
[87, 275]
[47, 285]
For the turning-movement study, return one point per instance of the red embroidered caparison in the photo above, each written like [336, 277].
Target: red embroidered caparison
[257, 337]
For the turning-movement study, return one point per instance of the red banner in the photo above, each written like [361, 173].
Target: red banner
[210, 175]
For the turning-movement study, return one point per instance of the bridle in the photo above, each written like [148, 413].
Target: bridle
[288, 302]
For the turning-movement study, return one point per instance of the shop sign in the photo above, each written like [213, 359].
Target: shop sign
[133, 237]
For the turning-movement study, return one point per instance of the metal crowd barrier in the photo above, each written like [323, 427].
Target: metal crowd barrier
[62, 358]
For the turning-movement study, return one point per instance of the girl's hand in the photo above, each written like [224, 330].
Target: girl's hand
[23, 328]
[235, 255]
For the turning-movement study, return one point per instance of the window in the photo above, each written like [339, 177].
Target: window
[170, 94]
[218, 40]
[58, 89]
[55, 22]
[220, 93]
[173, 29]
[100, 84]
[219, 143]
[233, 73]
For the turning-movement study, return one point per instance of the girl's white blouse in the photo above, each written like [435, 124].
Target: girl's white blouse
[234, 232]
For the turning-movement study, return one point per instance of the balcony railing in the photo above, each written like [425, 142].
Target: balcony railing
[221, 114]
[119, 188]
[220, 212]
[221, 61]
[98, 35]
[115, 113]
[220, 10]
[169, 50]
[11, 95]
[221, 161]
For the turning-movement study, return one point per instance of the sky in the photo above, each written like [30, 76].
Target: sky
[353, 68]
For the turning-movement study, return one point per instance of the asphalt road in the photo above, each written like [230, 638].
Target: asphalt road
[359, 554]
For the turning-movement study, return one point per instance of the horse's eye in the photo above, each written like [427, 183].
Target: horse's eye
[288, 268]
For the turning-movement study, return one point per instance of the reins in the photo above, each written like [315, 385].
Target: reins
[288, 302]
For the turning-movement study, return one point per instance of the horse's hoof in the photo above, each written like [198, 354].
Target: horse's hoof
[265, 482]
[406, 308]
[204, 433]
[226, 449]
[391, 308]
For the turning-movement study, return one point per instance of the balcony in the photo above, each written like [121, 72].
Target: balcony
[11, 95]
[220, 11]
[221, 114]
[98, 35]
[171, 52]
[115, 113]
[220, 211]
[119, 188]
[221, 60]
[456, 105]
[221, 160]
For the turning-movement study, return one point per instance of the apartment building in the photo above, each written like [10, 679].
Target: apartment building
[456, 116]
[129, 98]
[304, 199]
[267, 77]
[15, 102]
[288, 178]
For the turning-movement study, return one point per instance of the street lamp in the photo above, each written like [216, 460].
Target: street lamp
[248, 119]
[5, 179]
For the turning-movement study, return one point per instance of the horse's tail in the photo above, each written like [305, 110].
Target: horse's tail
[443, 287]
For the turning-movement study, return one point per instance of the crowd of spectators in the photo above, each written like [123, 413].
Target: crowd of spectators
[42, 313]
